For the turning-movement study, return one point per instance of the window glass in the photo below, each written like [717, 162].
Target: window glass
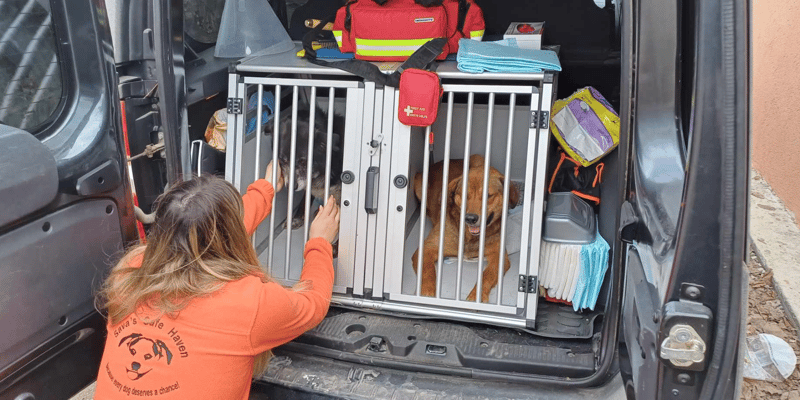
[30, 73]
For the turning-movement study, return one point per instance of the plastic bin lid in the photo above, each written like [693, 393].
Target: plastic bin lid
[250, 26]
[568, 219]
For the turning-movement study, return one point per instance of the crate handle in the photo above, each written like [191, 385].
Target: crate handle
[371, 193]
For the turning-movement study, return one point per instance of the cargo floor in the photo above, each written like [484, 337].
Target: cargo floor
[457, 347]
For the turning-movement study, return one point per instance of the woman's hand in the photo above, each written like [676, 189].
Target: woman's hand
[326, 223]
[279, 184]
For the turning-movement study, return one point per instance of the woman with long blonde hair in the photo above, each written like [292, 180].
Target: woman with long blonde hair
[191, 314]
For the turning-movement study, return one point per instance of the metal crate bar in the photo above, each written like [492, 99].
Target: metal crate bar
[257, 163]
[435, 311]
[329, 149]
[464, 184]
[310, 158]
[276, 116]
[489, 89]
[241, 126]
[432, 301]
[424, 201]
[443, 211]
[291, 183]
[302, 82]
[232, 135]
[484, 198]
[506, 186]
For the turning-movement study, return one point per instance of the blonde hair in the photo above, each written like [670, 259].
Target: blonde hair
[197, 244]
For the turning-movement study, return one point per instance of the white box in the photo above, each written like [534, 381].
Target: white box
[527, 34]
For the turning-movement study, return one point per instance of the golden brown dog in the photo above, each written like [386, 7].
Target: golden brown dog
[472, 221]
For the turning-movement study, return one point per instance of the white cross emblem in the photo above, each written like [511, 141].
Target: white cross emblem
[408, 110]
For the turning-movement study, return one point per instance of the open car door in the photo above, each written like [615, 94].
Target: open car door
[64, 193]
[685, 219]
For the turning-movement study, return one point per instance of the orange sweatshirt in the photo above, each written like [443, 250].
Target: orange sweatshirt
[207, 351]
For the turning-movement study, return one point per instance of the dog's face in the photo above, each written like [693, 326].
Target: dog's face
[145, 353]
[474, 199]
[319, 149]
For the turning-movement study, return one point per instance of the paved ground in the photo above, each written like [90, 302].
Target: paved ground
[776, 238]
[766, 314]
[774, 299]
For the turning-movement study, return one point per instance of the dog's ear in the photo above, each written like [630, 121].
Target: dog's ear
[476, 161]
[513, 193]
[269, 127]
[129, 338]
[160, 348]
[454, 187]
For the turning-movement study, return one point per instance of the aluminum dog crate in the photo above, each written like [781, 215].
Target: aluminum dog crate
[503, 117]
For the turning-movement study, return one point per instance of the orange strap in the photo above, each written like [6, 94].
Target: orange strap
[586, 196]
[599, 176]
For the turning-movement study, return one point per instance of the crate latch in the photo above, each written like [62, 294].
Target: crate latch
[234, 105]
[527, 284]
[375, 144]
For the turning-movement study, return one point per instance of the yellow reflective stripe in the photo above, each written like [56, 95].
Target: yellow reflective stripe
[474, 34]
[338, 36]
[365, 52]
[391, 42]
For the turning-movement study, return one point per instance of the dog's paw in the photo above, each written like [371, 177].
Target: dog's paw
[298, 222]
[428, 290]
[471, 295]
[484, 296]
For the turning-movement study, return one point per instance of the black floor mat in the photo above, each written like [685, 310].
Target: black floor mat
[561, 348]
[560, 321]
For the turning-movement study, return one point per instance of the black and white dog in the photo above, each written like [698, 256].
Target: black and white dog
[319, 153]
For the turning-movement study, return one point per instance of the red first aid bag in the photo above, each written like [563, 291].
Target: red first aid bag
[392, 31]
[420, 95]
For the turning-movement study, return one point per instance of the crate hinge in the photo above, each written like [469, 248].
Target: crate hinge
[527, 284]
[539, 119]
[234, 105]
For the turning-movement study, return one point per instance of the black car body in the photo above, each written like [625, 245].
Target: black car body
[675, 208]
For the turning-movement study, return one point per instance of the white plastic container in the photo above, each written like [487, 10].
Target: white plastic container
[527, 34]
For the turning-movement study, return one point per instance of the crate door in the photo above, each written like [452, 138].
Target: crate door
[488, 122]
[281, 104]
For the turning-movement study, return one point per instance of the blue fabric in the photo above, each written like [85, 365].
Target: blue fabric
[268, 106]
[503, 56]
[334, 54]
[594, 264]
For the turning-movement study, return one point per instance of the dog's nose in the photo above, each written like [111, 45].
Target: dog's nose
[135, 366]
[471, 219]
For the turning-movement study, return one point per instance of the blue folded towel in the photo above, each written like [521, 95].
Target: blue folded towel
[594, 264]
[503, 56]
[334, 54]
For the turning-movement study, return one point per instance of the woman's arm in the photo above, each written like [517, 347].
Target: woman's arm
[284, 314]
[258, 199]
[257, 204]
